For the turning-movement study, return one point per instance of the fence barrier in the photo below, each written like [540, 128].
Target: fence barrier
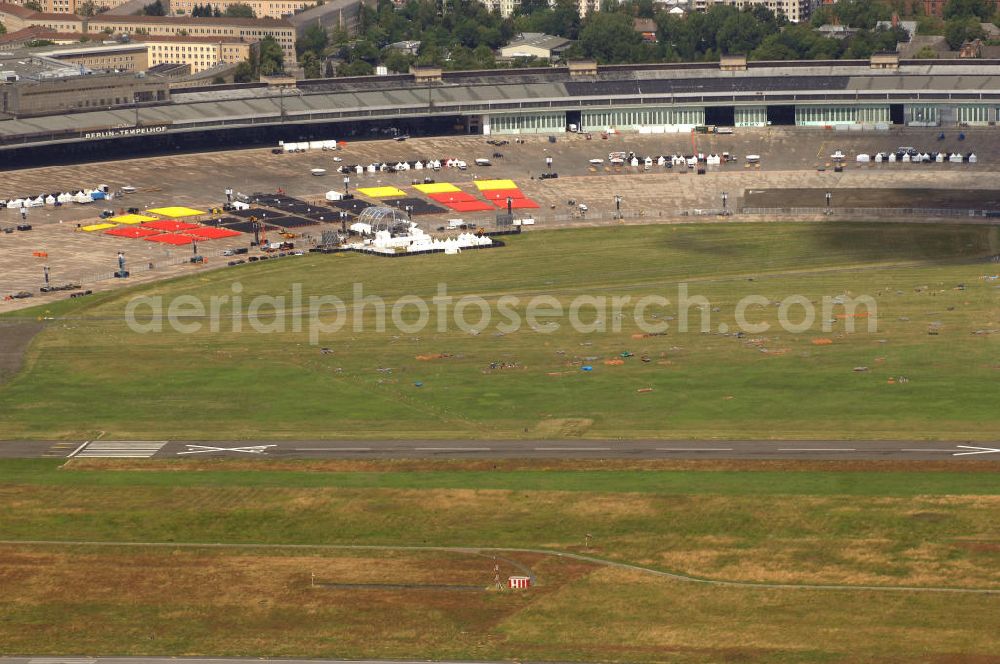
[874, 212]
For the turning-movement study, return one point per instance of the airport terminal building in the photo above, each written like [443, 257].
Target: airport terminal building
[659, 98]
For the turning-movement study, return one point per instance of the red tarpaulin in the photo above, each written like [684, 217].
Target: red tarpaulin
[131, 231]
[452, 197]
[212, 233]
[502, 194]
[170, 238]
[169, 225]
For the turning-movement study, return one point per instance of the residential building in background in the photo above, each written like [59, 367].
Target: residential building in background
[35, 33]
[505, 7]
[201, 53]
[794, 10]
[508, 7]
[225, 31]
[340, 14]
[261, 8]
[934, 7]
[245, 29]
[139, 53]
[72, 6]
[99, 56]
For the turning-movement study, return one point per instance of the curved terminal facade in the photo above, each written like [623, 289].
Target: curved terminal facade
[872, 94]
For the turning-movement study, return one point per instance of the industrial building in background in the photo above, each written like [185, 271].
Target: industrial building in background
[874, 95]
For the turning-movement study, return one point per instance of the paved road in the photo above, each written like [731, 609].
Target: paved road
[512, 449]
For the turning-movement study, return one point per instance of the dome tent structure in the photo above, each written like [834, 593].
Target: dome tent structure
[386, 218]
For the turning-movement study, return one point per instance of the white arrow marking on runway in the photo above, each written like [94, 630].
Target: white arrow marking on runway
[980, 450]
[204, 449]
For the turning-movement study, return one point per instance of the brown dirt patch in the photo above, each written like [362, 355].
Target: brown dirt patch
[198, 597]
[616, 506]
[14, 341]
[570, 427]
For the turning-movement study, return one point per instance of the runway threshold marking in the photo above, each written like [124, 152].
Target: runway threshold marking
[78, 449]
[119, 449]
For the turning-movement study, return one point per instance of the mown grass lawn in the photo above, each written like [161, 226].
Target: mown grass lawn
[255, 603]
[88, 373]
[849, 528]
[883, 528]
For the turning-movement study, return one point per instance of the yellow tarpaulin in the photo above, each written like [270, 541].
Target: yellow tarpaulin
[436, 188]
[383, 192]
[176, 211]
[131, 219]
[97, 227]
[486, 185]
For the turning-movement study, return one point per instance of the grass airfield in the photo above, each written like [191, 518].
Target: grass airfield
[770, 561]
[299, 555]
[87, 374]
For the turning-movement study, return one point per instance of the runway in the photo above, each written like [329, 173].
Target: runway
[956, 451]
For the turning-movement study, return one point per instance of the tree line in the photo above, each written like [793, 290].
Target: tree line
[463, 34]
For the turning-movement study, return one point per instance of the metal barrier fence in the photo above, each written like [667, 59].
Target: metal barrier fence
[873, 212]
[135, 267]
[651, 215]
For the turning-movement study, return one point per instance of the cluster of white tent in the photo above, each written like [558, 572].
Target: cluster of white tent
[305, 146]
[80, 196]
[416, 240]
[399, 166]
[667, 161]
[923, 157]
